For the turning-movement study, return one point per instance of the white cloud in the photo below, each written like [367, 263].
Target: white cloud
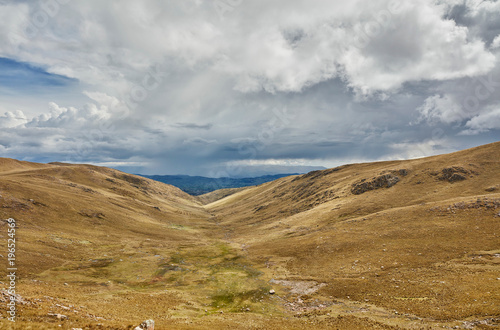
[262, 45]
[13, 119]
[413, 150]
[496, 42]
[483, 122]
[418, 45]
[442, 108]
[71, 118]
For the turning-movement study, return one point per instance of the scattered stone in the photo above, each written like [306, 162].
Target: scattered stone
[146, 325]
[487, 322]
[63, 307]
[5, 296]
[486, 203]
[58, 316]
[300, 287]
[92, 214]
[272, 291]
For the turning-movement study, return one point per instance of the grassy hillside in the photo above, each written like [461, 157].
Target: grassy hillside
[403, 244]
[420, 237]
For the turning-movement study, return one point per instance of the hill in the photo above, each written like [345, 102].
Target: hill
[199, 185]
[389, 245]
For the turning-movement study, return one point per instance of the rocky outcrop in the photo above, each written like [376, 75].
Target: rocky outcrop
[453, 174]
[383, 181]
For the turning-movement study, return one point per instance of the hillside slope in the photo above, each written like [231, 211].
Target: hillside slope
[86, 230]
[421, 237]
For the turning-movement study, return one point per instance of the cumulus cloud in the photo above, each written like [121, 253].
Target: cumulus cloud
[375, 47]
[443, 108]
[483, 122]
[13, 119]
[496, 42]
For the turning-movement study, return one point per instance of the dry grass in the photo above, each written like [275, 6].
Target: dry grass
[342, 247]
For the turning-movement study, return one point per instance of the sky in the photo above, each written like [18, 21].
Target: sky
[229, 87]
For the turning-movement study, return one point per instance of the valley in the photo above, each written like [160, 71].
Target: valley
[388, 245]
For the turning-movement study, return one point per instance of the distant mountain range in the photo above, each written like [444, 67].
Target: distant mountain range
[199, 185]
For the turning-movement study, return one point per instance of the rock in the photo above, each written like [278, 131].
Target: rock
[146, 325]
[63, 307]
[5, 296]
[457, 177]
[59, 316]
[272, 291]
[403, 172]
[453, 174]
[383, 181]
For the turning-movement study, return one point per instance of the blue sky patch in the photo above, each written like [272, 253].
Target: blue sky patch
[21, 76]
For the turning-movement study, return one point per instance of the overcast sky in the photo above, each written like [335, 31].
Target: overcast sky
[211, 87]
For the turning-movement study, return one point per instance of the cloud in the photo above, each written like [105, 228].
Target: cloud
[13, 119]
[443, 108]
[496, 43]
[417, 45]
[483, 122]
[413, 150]
[193, 126]
[198, 140]
[175, 86]
[375, 47]
[71, 118]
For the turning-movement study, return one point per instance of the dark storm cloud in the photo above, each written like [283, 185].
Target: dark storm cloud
[193, 126]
